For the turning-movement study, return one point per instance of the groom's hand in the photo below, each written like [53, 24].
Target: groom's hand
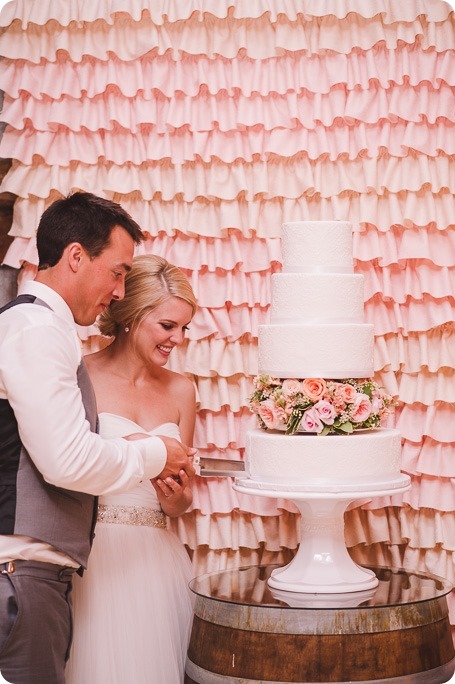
[179, 457]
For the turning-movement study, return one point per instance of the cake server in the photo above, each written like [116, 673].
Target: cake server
[217, 467]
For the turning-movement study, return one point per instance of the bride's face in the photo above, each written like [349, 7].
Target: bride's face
[163, 329]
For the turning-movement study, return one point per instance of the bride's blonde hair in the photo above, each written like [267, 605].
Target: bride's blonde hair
[151, 281]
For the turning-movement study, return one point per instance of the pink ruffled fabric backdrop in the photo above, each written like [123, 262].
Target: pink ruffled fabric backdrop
[213, 122]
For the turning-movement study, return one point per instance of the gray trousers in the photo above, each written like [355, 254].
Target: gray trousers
[35, 622]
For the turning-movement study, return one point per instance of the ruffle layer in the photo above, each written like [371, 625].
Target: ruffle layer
[392, 526]
[121, 146]
[432, 458]
[417, 421]
[223, 430]
[422, 387]
[412, 316]
[402, 243]
[432, 349]
[226, 112]
[211, 254]
[277, 177]
[430, 492]
[264, 218]
[166, 10]
[429, 530]
[257, 38]
[236, 530]
[412, 278]
[401, 261]
[215, 393]
[405, 64]
[215, 358]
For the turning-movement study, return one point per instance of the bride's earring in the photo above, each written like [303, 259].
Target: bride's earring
[126, 328]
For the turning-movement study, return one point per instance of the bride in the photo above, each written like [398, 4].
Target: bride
[133, 608]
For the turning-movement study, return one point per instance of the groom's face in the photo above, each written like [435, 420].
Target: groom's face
[102, 278]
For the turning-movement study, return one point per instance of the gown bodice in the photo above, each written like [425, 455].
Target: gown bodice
[111, 426]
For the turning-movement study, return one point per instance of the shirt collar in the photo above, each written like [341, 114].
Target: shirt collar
[51, 297]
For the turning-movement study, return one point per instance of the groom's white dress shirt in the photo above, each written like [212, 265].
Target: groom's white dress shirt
[40, 353]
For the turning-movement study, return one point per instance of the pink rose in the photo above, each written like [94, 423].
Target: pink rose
[291, 387]
[311, 421]
[361, 408]
[346, 392]
[314, 388]
[272, 416]
[325, 411]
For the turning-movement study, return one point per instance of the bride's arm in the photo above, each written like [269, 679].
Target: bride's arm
[187, 410]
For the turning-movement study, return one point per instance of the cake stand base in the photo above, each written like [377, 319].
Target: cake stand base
[322, 563]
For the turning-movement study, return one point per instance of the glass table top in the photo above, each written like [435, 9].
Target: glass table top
[248, 586]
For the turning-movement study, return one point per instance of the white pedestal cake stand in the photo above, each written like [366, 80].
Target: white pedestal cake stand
[322, 563]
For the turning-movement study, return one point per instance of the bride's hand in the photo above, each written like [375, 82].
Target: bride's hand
[174, 494]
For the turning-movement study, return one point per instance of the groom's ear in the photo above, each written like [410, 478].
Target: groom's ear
[74, 254]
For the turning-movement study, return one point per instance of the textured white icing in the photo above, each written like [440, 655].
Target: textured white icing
[274, 457]
[316, 324]
[317, 297]
[340, 350]
[317, 330]
[312, 246]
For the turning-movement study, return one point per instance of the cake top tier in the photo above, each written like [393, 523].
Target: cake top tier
[317, 247]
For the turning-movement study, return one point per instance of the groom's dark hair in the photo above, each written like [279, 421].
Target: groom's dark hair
[80, 217]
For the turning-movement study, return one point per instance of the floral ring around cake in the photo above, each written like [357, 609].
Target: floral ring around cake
[316, 405]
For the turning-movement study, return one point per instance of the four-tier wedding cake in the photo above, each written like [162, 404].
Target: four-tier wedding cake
[315, 368]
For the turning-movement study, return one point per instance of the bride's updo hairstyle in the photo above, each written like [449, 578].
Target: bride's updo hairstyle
[151, 281]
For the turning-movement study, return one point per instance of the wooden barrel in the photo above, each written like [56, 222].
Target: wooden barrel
[243, 632]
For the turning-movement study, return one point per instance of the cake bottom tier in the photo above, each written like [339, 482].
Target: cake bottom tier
[363, 459]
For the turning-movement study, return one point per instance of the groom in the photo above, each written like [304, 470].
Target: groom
[52, 462]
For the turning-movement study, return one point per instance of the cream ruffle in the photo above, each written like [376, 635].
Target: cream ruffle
[427, 530]
[432, 349]
[233, 252]
[263, 218]
[206, 112]
[224, 429]
[422, 387]
[121, 146]
[412, 277]
[286, 73]
[428, 458]
[258, 38]
[417, 421]
[233, 392]
[402, 243]
[278, 177]
[168, 10]
[412, 316]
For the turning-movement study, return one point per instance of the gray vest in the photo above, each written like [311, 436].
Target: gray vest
[31, 506]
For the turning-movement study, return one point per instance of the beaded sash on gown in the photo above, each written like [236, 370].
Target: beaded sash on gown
[138, 506]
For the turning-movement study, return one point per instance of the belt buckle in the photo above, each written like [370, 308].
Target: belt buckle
[10, 567]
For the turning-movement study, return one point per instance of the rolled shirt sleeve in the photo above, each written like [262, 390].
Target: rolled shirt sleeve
[40, 354]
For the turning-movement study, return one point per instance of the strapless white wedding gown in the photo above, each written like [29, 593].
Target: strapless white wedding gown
[132, 607]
